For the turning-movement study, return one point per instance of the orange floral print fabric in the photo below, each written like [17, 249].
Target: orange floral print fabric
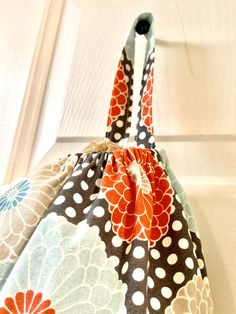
[139, 195]
[119, 95]
[147, 102]
[27, 303]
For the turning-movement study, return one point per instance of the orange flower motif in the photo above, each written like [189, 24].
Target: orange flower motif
[147, 102]
[27, 303]
[139, 195]
[119, 95]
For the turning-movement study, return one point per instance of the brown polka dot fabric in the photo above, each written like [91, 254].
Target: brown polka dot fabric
[118, 235]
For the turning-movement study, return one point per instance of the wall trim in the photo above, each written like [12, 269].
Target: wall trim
[19, 161]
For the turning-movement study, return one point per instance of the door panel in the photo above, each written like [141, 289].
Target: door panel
[194, 105]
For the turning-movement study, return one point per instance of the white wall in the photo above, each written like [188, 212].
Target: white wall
[19, 26]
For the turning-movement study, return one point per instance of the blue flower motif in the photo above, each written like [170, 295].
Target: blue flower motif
[14, 195]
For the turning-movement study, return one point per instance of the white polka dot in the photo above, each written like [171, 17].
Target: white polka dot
[184, 214]
[77, 198]
[84, 185]
[122, 113]
[166, 242]
[108, 226]
[155, 254]
[109, 128]
[178, 277]
[177, 198]
[166, 292]
[90, 173]
[117, 136]
[125, 268]
[119, 123]
[145, 77]
[93, 196]
[76, 173]
[150, 282]
[199, 272]
[172, 209]
[183, 243]
[85, 164]
[99, 211]
[160, 272]
[68, 185]
[138, 274]
[138, 298]
[148, 65]
[200, 263]
[142, 135]
[139, 252]
[59, 200]
[126, 78]
[172, 259]
[155, 304]
[128, 130]
[70, 212]
[189, 262]
[115, 260]
[151, 140]
[128, 249]
[130, 108]
[141, 123]
[177, 225]
[86, 209]
[128, 68]
[141, 146]
[116, 241]
[98, 182]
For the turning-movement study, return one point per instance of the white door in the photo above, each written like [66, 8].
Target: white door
[194, 105]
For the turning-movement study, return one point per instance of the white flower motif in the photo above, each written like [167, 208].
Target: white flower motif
[69, 266]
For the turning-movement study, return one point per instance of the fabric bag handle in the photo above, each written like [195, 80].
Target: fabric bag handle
[120, 111]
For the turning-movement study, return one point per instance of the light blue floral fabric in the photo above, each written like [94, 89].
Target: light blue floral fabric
[70, 265]
[23, 204]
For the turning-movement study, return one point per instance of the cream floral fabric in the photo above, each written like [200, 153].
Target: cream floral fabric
[194, 297]
[24, 203]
